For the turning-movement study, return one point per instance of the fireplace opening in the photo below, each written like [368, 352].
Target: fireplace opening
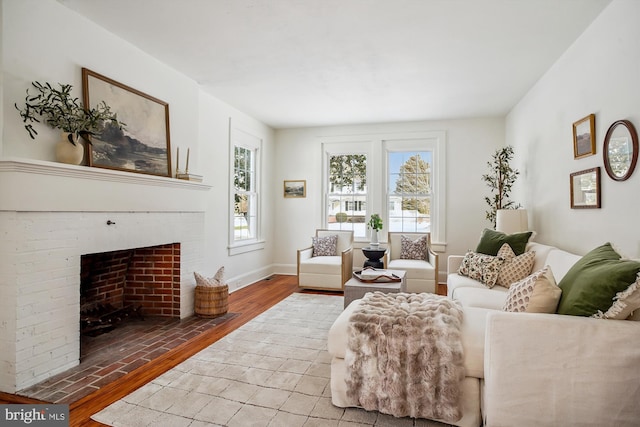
[132, 283]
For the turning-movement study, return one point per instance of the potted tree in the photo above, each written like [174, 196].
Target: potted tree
[375, 224]
[500, 179]
[60, 110]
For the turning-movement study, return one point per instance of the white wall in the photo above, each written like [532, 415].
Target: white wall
[469, 144]
[600, 74]
[43, 40]
[242, 269]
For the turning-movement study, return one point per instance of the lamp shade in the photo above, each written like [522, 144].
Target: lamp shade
[511, 221]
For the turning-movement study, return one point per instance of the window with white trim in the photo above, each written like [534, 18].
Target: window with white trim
[409, 192]
[346, 184]
[245, 199]
[415, 174]
[245, 218]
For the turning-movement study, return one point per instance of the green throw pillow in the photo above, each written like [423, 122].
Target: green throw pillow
[592, 283]
[491, 241]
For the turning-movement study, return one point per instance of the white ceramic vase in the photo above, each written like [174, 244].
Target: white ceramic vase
[374, 237]
[66, 152]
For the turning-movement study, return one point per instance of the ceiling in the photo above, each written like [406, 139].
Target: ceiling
[300, 63]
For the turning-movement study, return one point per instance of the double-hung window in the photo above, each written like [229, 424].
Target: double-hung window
[244, 232]
[346, 196]
[416, 184]
[245, 195]
[409, 192]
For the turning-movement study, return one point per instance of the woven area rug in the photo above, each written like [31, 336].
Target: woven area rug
[273, 371]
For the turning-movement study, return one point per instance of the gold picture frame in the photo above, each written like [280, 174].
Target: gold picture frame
[295, 188]
[584, 137]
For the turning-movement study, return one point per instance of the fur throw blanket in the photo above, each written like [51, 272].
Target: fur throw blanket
[404, 355]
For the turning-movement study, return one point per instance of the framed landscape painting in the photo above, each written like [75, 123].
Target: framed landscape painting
[295, 188]
[584, 138]
[143, 146]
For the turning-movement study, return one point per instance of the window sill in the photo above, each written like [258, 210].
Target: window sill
[241, 248]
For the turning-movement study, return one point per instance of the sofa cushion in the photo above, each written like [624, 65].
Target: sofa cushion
[456, 281]
[482, 297]
[540, 260]
[410, 249]
[590, 286]
[413, 268]
[537, 293]
[491, 241]
[325, 246]
[481, 267]
[514, 268]
[321, 265]
[473, 328]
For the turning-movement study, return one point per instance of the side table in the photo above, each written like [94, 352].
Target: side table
[373, 254]
[355, 289]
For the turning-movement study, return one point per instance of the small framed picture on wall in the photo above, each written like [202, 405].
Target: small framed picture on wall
[296, 189]
[585, 189]
[584, 137]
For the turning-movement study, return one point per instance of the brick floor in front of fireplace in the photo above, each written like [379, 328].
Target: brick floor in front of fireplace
[109, 356]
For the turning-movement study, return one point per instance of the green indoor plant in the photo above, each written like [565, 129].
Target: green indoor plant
[60, 110]
[375, 222]
[500, 179]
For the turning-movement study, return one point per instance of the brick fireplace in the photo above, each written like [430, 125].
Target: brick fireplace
[51, 215]
[147, 278]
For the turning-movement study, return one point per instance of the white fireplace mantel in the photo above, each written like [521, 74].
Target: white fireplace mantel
[36, 185]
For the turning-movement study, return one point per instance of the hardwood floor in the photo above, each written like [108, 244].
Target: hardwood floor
[249, 302]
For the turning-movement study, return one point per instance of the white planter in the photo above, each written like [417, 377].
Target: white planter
[68, 153]
[374, 238]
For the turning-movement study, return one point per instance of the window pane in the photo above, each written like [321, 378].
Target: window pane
[245, 216]
[245, 213]
[409, 183]
[346, 201]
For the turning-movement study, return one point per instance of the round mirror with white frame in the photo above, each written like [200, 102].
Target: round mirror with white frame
[620, 150]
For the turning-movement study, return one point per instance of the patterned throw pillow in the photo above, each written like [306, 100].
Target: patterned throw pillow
[216, 280]
[413, 250]
[515, 267]
[325, 246]
[481, 267]
[536, 293]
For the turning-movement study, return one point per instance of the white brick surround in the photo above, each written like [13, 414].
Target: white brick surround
[40, 259]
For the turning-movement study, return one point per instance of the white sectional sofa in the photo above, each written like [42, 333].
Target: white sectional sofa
[530, 369]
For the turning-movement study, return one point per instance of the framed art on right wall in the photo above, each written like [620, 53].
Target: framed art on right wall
[584, 137]
[585, 189]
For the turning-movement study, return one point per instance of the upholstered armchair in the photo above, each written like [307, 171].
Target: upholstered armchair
[414, 256]
[326, 265]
